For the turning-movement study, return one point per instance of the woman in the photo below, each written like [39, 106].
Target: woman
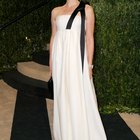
[76, 115]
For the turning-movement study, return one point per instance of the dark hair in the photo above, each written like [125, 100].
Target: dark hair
[86, 2]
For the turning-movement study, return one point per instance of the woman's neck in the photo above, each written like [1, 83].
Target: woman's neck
[71, 3]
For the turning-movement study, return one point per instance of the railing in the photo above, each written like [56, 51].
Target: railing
[24, 14]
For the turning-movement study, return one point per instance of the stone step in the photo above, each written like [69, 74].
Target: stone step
[34, 70]
[22, 82]
[41, 57]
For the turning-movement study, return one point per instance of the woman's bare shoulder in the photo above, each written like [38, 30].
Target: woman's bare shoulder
[57, 10]
[89, 10]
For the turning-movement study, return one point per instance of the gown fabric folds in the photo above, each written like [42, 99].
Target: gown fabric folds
[75, 114]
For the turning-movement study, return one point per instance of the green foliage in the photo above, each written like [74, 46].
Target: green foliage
[29, 34]
[117, 69]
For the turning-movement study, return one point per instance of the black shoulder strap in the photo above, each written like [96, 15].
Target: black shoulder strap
[80, 8]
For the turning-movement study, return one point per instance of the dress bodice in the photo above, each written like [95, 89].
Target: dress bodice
[73, 25]
[62, 20]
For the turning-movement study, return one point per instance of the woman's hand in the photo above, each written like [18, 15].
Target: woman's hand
[90, 72]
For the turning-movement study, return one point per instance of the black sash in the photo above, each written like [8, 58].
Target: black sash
[80, 8]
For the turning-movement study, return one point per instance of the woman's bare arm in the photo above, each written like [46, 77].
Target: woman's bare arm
[90, 21]
[53, 31]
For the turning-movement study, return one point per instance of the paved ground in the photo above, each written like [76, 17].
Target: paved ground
[133, 121]
[7, 104]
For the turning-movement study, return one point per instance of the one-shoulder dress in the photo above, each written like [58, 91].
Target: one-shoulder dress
[75, 114]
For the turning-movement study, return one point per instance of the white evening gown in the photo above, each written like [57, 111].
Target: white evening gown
[76, 115]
